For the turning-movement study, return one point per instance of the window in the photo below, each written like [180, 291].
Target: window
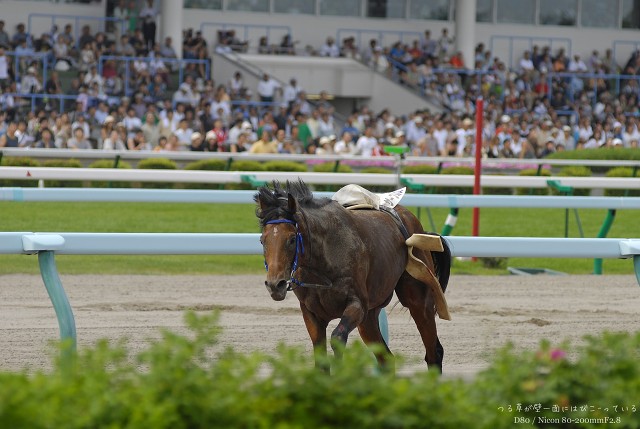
[631, 14]
[340, 7]
[432, 9]
[248, 5]
[203, 4]
[484, 11]
[386, 8]
[295, 6]
[558, 12]
[599, 13]
[516, 11]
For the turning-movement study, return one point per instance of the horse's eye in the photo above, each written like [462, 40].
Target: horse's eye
[291, 241]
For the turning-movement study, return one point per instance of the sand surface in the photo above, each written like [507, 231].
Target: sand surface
[487, 312]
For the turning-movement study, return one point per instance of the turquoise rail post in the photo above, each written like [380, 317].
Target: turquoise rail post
[604, 230]
[52, 283]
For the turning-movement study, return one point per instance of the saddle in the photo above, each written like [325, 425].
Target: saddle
[355, 197]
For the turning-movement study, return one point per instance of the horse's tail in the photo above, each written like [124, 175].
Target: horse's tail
[443, 264]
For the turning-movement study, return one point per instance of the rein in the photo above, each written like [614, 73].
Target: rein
[294, 267]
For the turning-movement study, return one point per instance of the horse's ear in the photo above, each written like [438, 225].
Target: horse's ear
[261, 204]
[293, 204]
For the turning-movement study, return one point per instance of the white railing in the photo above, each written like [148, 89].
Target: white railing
[92, 154]
[46, 245]
[193, 176]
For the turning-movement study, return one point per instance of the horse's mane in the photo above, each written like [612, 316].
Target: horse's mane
[274, 200]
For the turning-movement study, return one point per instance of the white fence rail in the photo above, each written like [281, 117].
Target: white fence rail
[240, 197]
[191, 176]
[92, 155]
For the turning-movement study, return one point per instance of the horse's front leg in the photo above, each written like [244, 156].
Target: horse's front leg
[351, 317]
[317, 330]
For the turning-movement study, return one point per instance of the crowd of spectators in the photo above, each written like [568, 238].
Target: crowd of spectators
[529, 111]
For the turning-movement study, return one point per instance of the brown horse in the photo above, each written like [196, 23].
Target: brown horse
[345, 264]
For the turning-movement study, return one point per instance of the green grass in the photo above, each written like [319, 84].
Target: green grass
[207, 218]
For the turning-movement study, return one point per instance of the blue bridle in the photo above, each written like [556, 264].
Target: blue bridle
[299, 250]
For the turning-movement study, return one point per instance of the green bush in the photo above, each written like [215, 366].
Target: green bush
[329, 167]
[496, 190]
[379, 170]
[533, 191]
[621, 172]
[108, 163]
[157, 164]
[208, 165]
[187, 381]
[419, 169]
[575, 171]
[10, 161]
[63, 163]
[285, 166]
[243, 165]
[456, 189]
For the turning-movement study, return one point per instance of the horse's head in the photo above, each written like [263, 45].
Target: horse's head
[281, 242]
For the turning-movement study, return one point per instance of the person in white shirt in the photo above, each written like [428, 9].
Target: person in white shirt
[367, 143]
[462, 133]
[290, 92]
[526, 64]
[330, 49]
[267, 88]
[577, 65]
[131, 121]
[184, 133]
[4, 67]
[345, 145]
[148, 16]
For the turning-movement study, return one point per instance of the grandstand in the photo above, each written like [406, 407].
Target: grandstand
[363, 54]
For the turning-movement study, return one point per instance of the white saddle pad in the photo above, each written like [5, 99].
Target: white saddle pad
[354, 194]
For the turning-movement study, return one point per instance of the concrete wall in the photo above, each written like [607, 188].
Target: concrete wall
[352, 83]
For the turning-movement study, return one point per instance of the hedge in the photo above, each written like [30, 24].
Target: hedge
[621, 172]
[63, 163]
[533, 191]
[108, 163]
[208, 165]
[19, 162]
[157, 164]
[329, 167]
[379, 170]
[187, 381]
[464, 190]
[575, 171]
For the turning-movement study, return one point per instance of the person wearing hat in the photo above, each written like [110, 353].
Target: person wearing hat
[325, 146]
[210, 142]
[30, 84]
[565, 137]
[463, 135]
[196, 143]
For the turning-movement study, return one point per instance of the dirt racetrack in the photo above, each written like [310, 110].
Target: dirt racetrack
[486, 312]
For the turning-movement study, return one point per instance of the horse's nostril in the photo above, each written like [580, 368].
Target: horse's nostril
[266, 283]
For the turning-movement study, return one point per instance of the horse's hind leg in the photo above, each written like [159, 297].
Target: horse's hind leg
[414, 295]
[370, 333]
